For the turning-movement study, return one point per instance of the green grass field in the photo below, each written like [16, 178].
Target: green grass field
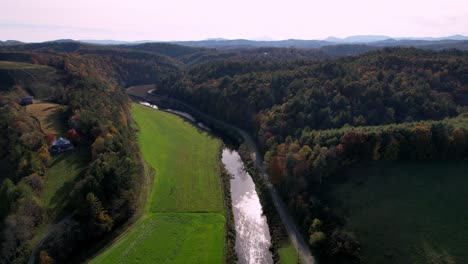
[185, 220]
[59, 182]
[171, 238]
[38, 79]
[408, 212]
[288, 254]
[13, 65]
[61, 176]
[186, 161]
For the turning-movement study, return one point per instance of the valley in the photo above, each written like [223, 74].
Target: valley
[342, 154]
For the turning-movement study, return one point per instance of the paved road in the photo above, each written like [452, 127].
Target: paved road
[294, 235]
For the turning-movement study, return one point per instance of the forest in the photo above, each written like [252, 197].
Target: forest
[314, 113]
[106, 194]
[314, 119]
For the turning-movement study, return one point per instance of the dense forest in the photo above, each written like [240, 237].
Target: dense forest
[315, 118]
[313, 115]
[105, 196]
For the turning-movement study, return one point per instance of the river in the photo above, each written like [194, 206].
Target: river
[252, 233]
[141, 92]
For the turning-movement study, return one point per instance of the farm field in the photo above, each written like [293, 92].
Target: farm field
[50, 116]
[186, 160]
[171, 238]
[13, 65]
[185, 220]
[412, 212]
[39, 79]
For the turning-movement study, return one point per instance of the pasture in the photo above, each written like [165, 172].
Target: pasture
[408, 212]
[171, 238]
[39, 80]
[50, 116]
[185, 220]
[186, 161]
[61, 176]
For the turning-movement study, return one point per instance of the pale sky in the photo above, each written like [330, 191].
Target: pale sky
[40, 20]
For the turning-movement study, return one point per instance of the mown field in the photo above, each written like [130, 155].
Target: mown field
[61, 176]
[171, 238]
[413, 212]
[50, 116]
[13, 65]
[38, 79]
[288, 254]
[185, 220]
[186, 160]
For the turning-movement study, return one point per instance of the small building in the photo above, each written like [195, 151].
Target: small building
[61, 145]
[27, 100]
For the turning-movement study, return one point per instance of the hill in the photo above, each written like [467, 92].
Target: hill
[315, 118]
[38, 80]
[79, 209]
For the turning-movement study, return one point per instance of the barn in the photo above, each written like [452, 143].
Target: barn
[61, 145]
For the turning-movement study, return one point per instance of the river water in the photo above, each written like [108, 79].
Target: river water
[252, 233]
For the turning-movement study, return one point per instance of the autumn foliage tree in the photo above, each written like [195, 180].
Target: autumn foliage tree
[73, 135]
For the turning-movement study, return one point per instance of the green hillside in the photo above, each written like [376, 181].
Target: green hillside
[39, 80]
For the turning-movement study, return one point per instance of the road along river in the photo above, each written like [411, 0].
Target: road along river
[142, 93]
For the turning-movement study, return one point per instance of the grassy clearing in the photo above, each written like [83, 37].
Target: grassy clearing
[408, 212]
[185, 220]
[59, 181]
[288, 254]
[13, 65]
[186, 163]
[40, 80]
[60, 178]
[171, 238]
[50, 116]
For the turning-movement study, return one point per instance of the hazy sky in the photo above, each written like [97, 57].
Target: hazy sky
[39, 20]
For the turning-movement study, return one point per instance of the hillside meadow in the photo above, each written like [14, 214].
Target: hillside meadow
[185, 220]
[50, 116]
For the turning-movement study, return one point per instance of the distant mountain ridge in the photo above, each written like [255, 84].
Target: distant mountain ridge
[331, 46]
[371, 40]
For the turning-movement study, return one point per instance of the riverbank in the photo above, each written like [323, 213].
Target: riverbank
[231, 255]
[279, 236]
[253, 240]
[236, 135]
[185, 220]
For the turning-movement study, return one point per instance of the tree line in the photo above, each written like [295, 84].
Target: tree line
[104, 197]
[313, 119]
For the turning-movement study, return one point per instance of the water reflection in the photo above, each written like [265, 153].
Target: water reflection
[252, 234]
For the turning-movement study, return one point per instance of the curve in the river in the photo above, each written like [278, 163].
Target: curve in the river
[293, 232]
